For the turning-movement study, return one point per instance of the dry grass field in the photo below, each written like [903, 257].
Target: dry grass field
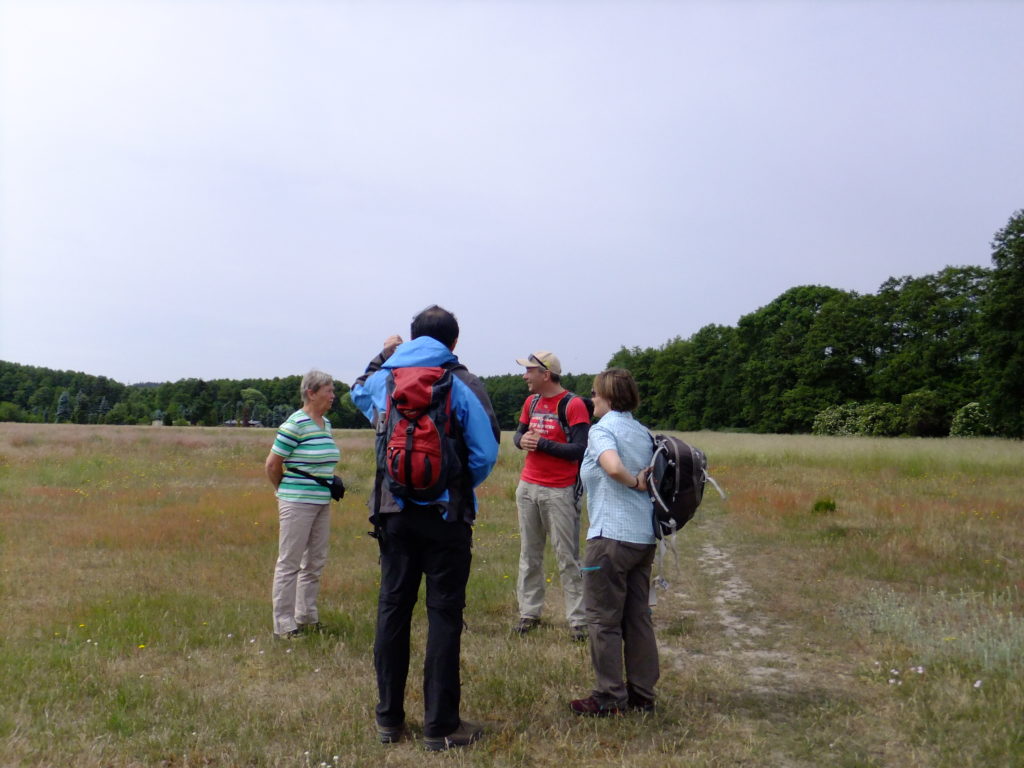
[855, 602]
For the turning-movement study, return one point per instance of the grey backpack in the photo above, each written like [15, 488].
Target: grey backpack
[676, 483]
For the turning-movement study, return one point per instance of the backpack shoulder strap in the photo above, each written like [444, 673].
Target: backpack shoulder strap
[533, 404]
[563, 407]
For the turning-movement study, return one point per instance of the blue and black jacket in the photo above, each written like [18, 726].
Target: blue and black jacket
[477, 427]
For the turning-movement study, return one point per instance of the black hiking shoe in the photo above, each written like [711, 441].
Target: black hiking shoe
[392, 734]
[463, 736]
[526, 624]
[638, 704]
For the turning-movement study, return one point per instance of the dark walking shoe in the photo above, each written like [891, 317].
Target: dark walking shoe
[591, 707]
[293, 634]
[392, 734]
[526, 624]
[637, 704]
[578, 633]
[316, 628]
[463, 736]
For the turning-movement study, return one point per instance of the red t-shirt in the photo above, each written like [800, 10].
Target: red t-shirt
[543, 468]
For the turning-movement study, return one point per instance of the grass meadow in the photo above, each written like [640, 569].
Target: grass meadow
[855, 602]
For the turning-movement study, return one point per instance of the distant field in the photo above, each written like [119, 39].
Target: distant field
[855, 602]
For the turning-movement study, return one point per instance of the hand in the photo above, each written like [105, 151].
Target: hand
[528, 442]
[642, 477]
[391, 343]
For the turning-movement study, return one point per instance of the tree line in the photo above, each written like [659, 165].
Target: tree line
[919, 357]
[922, 356]
[34, 394]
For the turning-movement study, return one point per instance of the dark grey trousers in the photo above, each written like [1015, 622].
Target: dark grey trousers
[616, 588]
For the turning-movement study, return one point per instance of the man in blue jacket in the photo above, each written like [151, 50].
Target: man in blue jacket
[431, 538]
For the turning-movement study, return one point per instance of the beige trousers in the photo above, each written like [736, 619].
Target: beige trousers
[549, 513]
[302, 554]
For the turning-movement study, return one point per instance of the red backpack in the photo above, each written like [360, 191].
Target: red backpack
[415, 445]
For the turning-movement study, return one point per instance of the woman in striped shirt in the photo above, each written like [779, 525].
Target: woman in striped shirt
[303, 442]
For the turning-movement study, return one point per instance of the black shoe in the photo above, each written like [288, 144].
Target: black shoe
[463, 736]
[316, 628]
[578, 633]
[290, 635]
[526, 624]
[636, 704]
[392, 734]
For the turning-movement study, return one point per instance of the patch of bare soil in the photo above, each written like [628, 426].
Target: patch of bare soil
[749, 639]
[730, 620]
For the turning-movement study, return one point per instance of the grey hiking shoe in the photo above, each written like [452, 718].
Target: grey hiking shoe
[526, 624]
[392, 734]
[463, 736]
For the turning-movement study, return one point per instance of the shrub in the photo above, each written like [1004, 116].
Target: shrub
[970, 421]
[836, 420]
[879, 420]
[12, 412]
[824, 505]
[873, 419]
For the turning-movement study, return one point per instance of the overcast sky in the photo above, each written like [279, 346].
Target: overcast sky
[217, 189]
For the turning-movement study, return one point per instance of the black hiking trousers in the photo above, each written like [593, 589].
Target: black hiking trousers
[418, 542]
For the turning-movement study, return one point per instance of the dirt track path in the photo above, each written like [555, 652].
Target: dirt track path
[747, 660]
[729, 613]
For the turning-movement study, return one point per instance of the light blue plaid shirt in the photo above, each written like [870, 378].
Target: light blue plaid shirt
[615, 511]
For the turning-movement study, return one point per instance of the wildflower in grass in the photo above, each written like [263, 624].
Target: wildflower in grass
[142, 645]
[977, 683]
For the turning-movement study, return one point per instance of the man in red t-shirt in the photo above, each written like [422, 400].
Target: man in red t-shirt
[546, 496]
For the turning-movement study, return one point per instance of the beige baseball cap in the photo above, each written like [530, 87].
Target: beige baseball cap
[546, 360]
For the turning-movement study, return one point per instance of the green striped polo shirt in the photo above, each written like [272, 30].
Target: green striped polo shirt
[304, 445]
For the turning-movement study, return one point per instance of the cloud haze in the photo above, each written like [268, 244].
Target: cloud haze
[236, 189]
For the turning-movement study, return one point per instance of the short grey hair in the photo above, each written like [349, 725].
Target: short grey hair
[313, 381]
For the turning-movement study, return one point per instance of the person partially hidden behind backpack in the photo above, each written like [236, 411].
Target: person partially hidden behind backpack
[437, 439]
[553, 427]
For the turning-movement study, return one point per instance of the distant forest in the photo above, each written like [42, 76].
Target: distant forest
[925, 356]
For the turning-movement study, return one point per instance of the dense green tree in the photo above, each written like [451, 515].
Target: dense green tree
[773, 340]
[932, 340]
[1002, 331]
[63, 407]
[251, 401]
[708, 392]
